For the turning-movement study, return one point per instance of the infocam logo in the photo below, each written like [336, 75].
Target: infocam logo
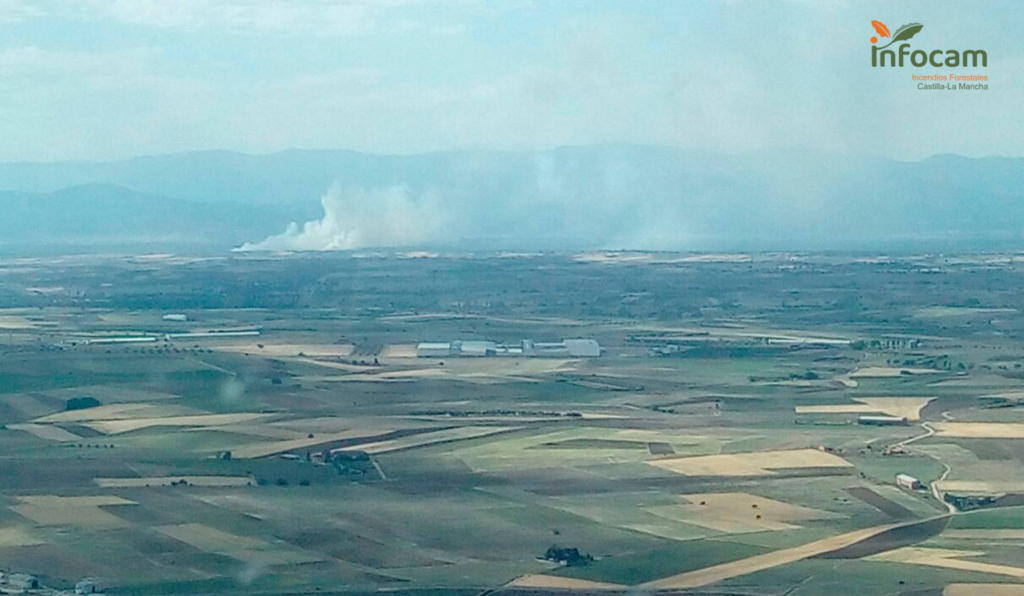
[880, 56]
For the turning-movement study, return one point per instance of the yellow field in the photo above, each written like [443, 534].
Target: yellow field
[981, 487]
[242, 548]
[263, 431]
[46, 431]
[463, 367]
[739, 513]
[168, 480]
[980, 430]
[116, 427]
[15, 536]
[985, 534]
[430, 438]
[210, 539]
[724, 571]
[902, 407]
[470, 370]
[124, 411]
[391, 376]
[15, 322]
[1006, 395]
[111, 394]
[399, 351]
[355, 368]
[750, 464]
[552, 582]
[84, 512]
[885, 371]
[836, 409]
[948, 559]
[984, 590]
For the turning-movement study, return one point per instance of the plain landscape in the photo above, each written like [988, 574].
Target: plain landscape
[271, 423]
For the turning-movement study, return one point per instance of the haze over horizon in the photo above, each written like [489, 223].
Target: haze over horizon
[102, 80]
[323, 125]
[598, 196]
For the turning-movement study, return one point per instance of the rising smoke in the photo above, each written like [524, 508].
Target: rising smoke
[545, 205]
[630, 197]
[359, 218]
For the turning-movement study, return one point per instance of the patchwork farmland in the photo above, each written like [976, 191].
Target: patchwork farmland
[738, 434]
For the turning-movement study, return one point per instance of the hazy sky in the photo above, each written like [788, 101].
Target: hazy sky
[98, 79]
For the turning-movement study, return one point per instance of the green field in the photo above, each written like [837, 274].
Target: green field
[393, 481]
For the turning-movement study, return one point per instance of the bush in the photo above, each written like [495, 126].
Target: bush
[81, 403]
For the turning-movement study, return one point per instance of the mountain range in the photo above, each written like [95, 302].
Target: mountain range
[605, 196]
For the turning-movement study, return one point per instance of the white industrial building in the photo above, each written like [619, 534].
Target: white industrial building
[575, 348]
[583, 348]
[579, 348]
[22, 581]
[212, 333]
[86, 586]
[908, 482]
[478, 348]
[122, 340]
[433, 349]
[176, 318]
[882, 420]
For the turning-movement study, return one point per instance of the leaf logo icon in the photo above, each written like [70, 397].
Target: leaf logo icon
[881, 28]
[904, 33]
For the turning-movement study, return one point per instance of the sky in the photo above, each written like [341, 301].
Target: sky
[110, 79]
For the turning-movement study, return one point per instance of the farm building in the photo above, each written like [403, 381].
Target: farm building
[22, 581]
[882, 420]
[122, 340]
[574, 348]
[908, 482]
[585, 348]
[478, 348]
[433, 349]
[579, 348]
[209, 334]
[176, 318]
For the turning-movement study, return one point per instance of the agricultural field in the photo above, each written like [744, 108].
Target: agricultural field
[715, 446]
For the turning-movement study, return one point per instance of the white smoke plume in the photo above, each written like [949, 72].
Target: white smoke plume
[549, 202]
[360, 218]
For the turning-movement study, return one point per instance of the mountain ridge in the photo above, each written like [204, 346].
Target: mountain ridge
[593, 196]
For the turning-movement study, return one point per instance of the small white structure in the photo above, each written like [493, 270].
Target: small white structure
[441, 349]
[86, 586]
[214, 333]
[582, 348]
[478, 348]
[882, 420]
[574, 348]
[577, 348]
[176, 318]
[908, 482]
[22, 581]
[121, 340]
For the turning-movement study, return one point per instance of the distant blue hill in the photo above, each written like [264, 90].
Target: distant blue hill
[606, 196]
[107, 217]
